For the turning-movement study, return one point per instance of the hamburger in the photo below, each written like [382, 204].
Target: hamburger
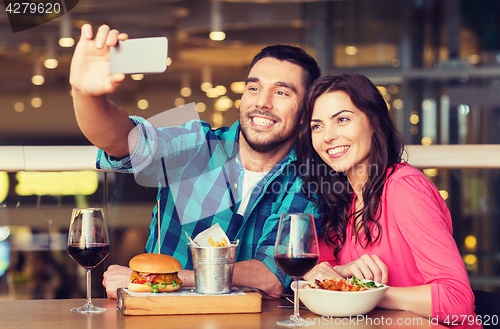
[154, 273]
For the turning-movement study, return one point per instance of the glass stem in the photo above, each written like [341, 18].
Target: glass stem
[296, 301]
[89, 288]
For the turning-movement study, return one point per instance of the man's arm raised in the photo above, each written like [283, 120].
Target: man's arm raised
[105, 125]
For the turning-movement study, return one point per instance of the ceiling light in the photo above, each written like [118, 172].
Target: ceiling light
[393, 89]
[137, 77]
[66, 42]
[24, 47]
[470, 259]
[36, 102]
[212, 93]
[216, 33]
[185, 85]
[38, 80]
[19, 107]
[223, 104]
[444, 194]
[142, 104]
[398, 104]
[220, 90]
[201, 107]
[414, 118]
[430, 172]
[426, 141]
[238, 87]
[351, 50]
[205, 86]
[50, 49]
[50, 63]
[66, 39]
[179, 101]
[470, 242]
[186, 92]
[382, 89]
[396, 62]
[206, 78]
[427, 105]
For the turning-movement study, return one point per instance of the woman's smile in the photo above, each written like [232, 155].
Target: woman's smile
[336, 152]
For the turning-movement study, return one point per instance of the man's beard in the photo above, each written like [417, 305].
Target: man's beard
[271, 143]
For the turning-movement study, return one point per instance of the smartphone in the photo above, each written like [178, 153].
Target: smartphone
[143, 55]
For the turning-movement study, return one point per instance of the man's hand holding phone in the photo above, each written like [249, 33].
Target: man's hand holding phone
[89, 72]
[99, 64]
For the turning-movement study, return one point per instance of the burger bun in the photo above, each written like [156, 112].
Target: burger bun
[155, 263]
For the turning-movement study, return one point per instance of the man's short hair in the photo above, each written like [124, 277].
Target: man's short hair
[294, 55]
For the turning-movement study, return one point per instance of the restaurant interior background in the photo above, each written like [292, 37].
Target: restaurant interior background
[437, 63]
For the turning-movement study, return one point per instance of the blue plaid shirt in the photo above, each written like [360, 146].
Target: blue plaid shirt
[200, 181]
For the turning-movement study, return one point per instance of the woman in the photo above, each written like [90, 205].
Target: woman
[386, 221]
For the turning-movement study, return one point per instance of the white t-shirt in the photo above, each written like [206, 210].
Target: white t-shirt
[250, 180]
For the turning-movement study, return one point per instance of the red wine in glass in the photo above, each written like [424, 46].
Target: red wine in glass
[296, 252]
[88, 245]
[90, 255]
[296, 266]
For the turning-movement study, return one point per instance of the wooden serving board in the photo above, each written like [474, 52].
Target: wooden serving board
[187, 302]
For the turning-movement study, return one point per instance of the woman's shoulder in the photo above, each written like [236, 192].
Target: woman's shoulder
[406, 177]
[408, 182]
[409, 191]
[405, 170]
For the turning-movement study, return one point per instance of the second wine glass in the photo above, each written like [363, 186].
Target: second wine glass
[88, 245]
[296, 252]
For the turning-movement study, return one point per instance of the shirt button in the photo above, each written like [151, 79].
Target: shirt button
[235, 185]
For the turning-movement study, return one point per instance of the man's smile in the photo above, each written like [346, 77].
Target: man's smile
[262, 122]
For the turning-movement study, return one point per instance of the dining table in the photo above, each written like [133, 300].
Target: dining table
[56, 314]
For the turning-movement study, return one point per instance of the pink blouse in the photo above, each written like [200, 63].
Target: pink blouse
[416, 243]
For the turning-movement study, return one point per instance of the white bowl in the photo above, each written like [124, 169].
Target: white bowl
[339, 303]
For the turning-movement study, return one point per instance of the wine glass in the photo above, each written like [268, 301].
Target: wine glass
[88, 245]
[296, 252]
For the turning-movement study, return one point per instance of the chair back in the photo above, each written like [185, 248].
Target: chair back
[487, 303]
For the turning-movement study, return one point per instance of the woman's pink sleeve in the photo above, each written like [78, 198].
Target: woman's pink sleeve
[425, 224]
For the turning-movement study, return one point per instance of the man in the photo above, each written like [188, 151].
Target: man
[250, 180]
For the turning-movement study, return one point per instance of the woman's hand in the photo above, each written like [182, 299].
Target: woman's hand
[365, 267]
[321, 271]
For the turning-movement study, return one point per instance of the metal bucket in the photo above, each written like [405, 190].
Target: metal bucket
[213, 268]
